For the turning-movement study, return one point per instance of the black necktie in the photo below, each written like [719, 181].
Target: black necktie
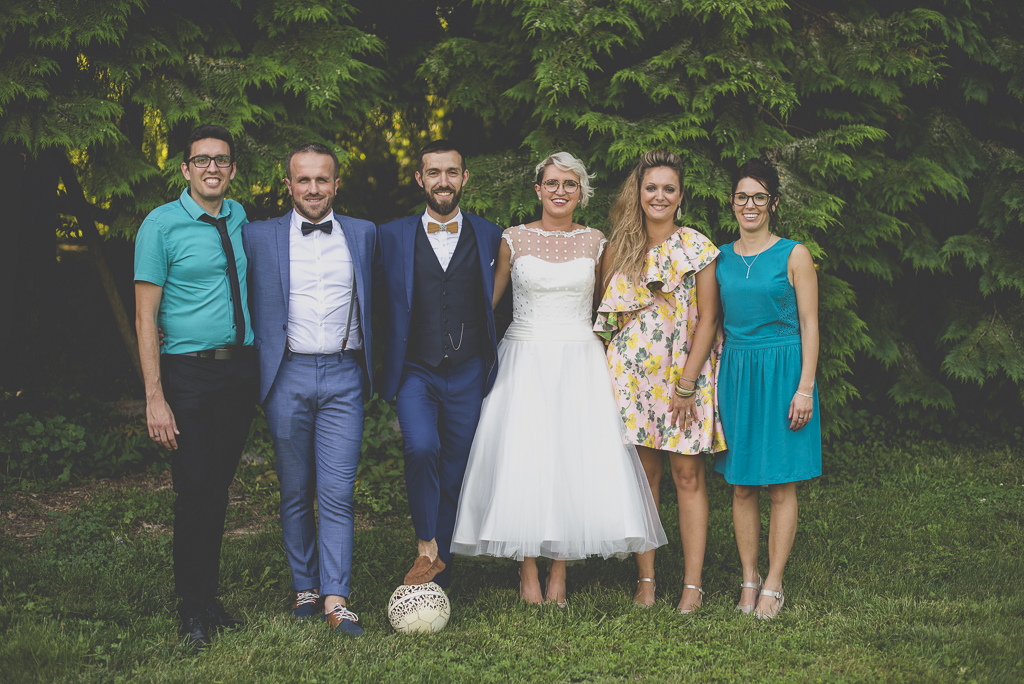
[236, 290]
[326, 226]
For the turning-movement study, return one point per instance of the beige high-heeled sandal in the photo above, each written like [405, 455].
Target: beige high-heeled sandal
[778, 596]
[747, 610]
[653, 586]
[693, 586]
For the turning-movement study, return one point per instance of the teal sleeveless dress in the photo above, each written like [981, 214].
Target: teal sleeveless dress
[760, 372]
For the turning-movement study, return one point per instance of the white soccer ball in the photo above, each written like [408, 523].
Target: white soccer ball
[419, 608]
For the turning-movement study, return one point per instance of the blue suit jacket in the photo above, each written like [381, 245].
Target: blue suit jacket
[269, 271]
[393, 270]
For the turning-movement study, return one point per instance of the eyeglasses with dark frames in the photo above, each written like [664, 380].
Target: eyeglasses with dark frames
[202, 161]
[760, 198]
[570, 186]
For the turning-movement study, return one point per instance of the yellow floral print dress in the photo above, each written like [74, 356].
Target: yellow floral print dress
[651, 330]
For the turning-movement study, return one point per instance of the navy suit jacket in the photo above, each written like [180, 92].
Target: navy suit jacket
[393, 271]
[269, 271]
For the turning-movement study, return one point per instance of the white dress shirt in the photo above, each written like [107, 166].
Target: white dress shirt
[321, 288]
[442, 241]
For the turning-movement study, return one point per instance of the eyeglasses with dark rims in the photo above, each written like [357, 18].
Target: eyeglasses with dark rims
[201, 161]
[760, 198]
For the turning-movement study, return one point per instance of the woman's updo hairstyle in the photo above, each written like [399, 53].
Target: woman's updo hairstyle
[628, 238]
[765, 173]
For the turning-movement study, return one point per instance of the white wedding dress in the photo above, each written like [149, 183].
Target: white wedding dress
[548, 473]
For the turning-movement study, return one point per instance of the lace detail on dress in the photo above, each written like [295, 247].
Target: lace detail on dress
[553, 233]
[512, 248]
[552, 292]
[789, 320]
[554, 246]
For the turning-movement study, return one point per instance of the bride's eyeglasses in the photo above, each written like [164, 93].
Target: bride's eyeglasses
[760, 198]
[570, 186]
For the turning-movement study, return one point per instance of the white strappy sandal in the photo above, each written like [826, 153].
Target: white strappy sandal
[693, 586]
[653, 585]
[745, 609]
[777, 595]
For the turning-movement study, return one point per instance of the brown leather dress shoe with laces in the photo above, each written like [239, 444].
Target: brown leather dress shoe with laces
[423, 570]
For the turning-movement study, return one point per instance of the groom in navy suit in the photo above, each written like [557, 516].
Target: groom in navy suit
[440, 347]
[311, 274]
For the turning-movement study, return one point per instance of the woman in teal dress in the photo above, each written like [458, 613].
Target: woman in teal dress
[766, 391]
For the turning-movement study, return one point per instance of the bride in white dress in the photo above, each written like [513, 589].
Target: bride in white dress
[549, 473]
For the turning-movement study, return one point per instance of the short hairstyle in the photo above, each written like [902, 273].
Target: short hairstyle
[567, 162]
[441, 146]
[315, 148]
[208, 131]
[765, 173]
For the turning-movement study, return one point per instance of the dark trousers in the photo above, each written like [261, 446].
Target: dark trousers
[214, 402]
[438, 409]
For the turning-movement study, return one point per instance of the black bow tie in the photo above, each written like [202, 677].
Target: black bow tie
[326, 226]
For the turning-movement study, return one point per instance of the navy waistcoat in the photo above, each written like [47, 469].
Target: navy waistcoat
[448, 316]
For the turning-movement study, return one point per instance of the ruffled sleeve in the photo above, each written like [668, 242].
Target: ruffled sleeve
[619, 301]
[668, 265]
[687, 253]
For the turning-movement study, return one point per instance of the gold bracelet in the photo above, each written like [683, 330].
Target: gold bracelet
[685, 394]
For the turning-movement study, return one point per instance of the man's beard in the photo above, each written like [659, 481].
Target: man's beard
[305, 209]
[446, 207]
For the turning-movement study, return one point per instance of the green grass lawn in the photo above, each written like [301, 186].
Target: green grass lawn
[907, 568]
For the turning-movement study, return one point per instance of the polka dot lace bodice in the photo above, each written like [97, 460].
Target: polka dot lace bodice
[552, 282]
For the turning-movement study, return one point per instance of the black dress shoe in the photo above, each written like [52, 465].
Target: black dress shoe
[193, 633]
[217, 619]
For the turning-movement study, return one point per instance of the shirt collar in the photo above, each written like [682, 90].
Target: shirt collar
[193, 209]
[426, 218]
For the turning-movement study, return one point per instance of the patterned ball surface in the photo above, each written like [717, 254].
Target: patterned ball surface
[419, 608]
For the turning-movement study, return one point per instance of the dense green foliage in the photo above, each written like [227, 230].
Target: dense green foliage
[897, 126]
[118, 85]
[47, 451]
[907, 571]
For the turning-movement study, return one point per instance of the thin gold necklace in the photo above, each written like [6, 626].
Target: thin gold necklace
[756, 255]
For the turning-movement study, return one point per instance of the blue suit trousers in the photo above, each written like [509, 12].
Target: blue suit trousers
[315, 413]
[438, 409]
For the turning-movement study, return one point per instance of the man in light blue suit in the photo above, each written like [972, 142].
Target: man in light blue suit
[436, 283]
[311, 274]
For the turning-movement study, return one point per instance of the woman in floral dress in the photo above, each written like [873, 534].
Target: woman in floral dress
[661, 312]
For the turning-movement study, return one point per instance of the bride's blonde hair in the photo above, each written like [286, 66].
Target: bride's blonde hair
[629, 232]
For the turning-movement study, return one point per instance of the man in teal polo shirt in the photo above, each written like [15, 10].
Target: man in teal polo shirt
[201, 386]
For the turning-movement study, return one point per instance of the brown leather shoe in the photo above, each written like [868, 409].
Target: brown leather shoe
[423, 570]
[343, 621]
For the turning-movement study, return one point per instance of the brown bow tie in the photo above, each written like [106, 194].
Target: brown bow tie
[452, 227]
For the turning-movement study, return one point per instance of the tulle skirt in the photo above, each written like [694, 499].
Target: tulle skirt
[549, 473]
